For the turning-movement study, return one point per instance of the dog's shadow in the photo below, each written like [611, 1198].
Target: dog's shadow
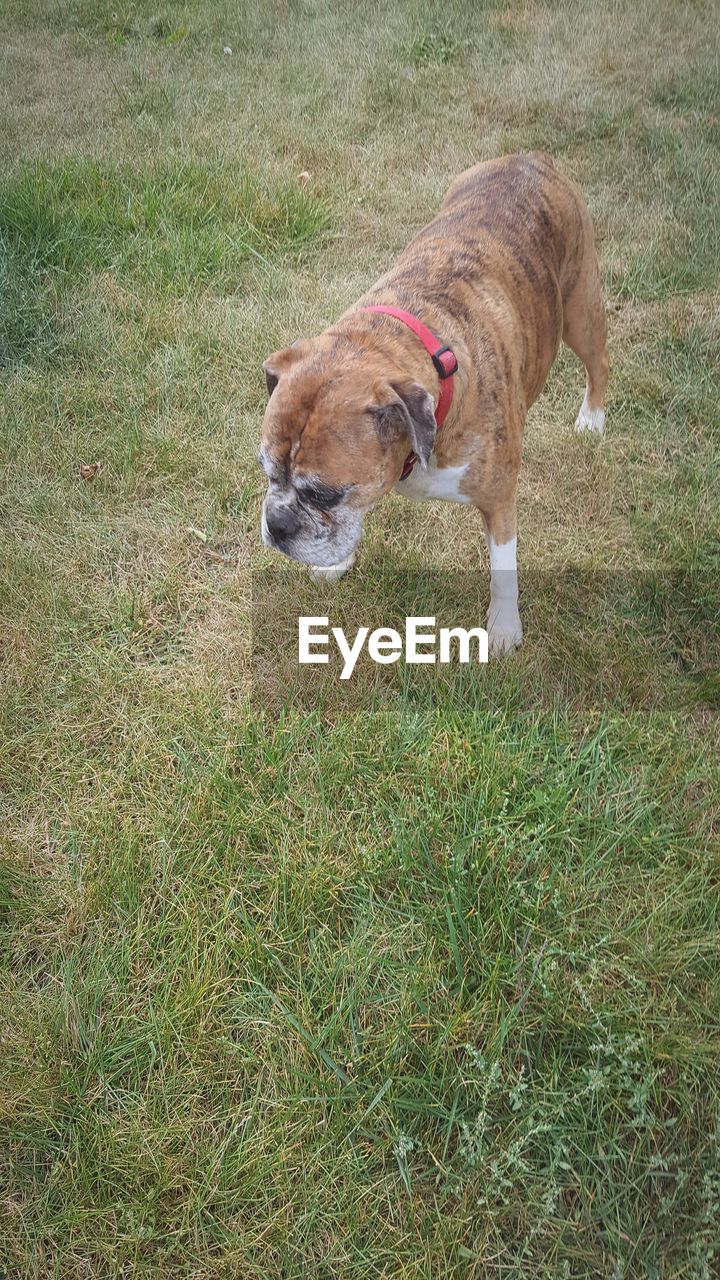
[632, 639]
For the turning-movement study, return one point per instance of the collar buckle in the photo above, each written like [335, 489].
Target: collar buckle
[445, 362]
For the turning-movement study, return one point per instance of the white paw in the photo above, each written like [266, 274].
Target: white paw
[590, 420]
[504, 628]
[331, 572]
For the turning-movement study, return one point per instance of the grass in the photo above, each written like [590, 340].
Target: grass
[178, 228]
[426, 983]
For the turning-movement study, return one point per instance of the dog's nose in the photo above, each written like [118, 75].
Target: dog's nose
[282, 523]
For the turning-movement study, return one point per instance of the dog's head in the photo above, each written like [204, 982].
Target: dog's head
[339, 423]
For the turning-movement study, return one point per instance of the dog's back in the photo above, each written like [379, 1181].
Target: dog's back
[502, 258]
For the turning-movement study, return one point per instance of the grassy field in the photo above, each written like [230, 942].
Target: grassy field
[429, 986]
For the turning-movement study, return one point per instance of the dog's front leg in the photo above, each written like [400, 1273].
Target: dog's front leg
[503, 619]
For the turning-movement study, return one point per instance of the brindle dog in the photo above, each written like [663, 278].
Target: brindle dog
[505, 270]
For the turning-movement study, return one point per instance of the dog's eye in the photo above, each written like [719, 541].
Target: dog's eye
[323, 497]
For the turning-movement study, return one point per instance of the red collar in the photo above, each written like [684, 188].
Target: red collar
[445, 366]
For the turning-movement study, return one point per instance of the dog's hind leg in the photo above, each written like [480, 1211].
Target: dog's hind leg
[585, 332]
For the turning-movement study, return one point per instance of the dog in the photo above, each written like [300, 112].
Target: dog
[472, 312]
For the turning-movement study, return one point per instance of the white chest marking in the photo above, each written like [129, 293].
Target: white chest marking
[436, 482]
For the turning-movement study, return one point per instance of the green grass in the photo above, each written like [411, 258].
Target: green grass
[424, 984]
[181, 228]
[184, 226]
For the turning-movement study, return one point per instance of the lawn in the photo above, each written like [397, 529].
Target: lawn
[424, 984]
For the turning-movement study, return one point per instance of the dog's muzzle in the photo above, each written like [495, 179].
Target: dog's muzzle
[308, 538]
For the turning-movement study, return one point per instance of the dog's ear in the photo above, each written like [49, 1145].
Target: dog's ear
[411, 413]
[272, 374]
[281, 361]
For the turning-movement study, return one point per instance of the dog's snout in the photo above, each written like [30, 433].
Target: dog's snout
[282, 523]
